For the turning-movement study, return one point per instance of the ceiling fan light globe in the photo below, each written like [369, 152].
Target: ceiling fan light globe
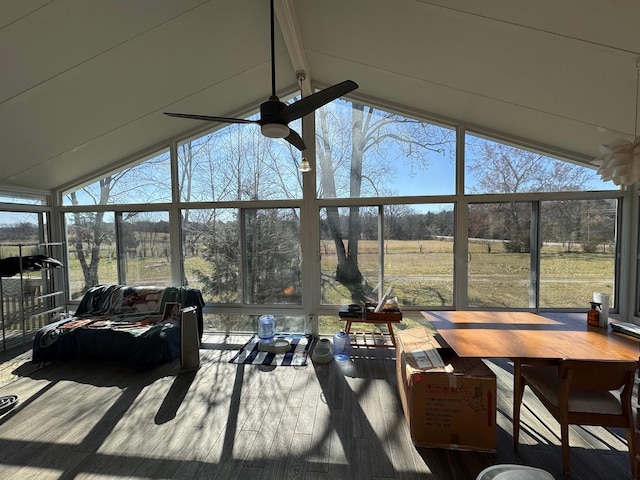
[304, 166]
[275, 130]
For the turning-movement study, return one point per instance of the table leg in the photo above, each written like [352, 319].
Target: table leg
[393, 337]
[347, 327]
[518, 390]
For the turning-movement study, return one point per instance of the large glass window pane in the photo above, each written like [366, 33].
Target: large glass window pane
[92, 250]
[211, 246]
[237, 162]
[22, 301]
[578, 251]
[17, 228]
[145, 252]
[494, 167]
[245, 323]
[146, 182]
[349, 254]
[418, 254]
[363, 151]
[259, 264]
[273, 256]
[499, 255]
[22, 198]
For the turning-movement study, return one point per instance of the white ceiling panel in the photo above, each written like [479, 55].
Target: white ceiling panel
[84, 84]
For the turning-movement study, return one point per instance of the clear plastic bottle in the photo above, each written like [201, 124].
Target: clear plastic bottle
[266, 328]
[341, 346]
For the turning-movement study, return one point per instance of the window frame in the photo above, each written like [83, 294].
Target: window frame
[310, 205]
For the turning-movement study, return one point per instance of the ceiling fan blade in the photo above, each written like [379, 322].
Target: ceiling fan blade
[210, 119]
[316, 100]
[295, 140]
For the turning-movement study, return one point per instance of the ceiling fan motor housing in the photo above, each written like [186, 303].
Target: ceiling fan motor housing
[271, 123]
[270, 111]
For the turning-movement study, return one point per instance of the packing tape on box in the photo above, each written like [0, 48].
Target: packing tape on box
[453, 378]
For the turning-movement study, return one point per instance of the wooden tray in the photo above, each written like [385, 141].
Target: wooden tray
[383, 317]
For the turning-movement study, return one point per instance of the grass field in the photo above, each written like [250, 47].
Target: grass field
[421, 273]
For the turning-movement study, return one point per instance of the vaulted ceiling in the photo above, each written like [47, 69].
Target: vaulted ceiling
[84, 84]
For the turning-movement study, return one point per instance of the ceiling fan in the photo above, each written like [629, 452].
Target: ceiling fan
[276, 115]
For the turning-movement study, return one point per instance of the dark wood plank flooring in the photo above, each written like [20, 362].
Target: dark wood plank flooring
[94, 420]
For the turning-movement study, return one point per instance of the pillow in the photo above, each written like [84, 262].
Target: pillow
[132, 300]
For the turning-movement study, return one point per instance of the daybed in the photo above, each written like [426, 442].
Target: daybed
[136, 325]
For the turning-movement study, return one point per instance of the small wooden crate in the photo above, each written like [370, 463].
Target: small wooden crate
[372, 339]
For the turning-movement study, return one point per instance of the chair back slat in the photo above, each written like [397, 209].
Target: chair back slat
[598, 375]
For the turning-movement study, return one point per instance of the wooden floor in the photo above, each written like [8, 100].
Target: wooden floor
[83, 420]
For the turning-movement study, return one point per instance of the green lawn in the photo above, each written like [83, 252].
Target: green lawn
[421, 273]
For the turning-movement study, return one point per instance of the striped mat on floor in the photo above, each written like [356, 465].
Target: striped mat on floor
[249, 354]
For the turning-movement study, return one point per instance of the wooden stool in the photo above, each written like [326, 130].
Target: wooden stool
[372, 339]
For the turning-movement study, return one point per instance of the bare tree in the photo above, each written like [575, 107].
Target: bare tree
[146, 182]
[501, 168]
[88, 230]
[381, 141]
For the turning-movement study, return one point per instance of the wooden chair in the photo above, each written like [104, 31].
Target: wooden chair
[579, 392]
[636, 461]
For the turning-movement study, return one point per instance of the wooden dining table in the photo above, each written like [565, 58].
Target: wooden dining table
[503, 334]
[527, 337]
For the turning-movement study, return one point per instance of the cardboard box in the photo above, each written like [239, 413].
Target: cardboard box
[449, 402]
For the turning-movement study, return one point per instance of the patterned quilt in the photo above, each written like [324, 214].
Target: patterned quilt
[137, 325]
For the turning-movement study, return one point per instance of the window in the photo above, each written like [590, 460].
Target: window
[494, 167]
[138, 255]
[211, 248]
[418, 254]
[249, 256]
[145, 182]
[23, 199]
[92, 249]
[237, 163]
[273, 256]
[499, 269]
[349, 254]
[18, 228]
[511, 267]
[144, 248]
[366, 152]
[540, 232]
[578, 251]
